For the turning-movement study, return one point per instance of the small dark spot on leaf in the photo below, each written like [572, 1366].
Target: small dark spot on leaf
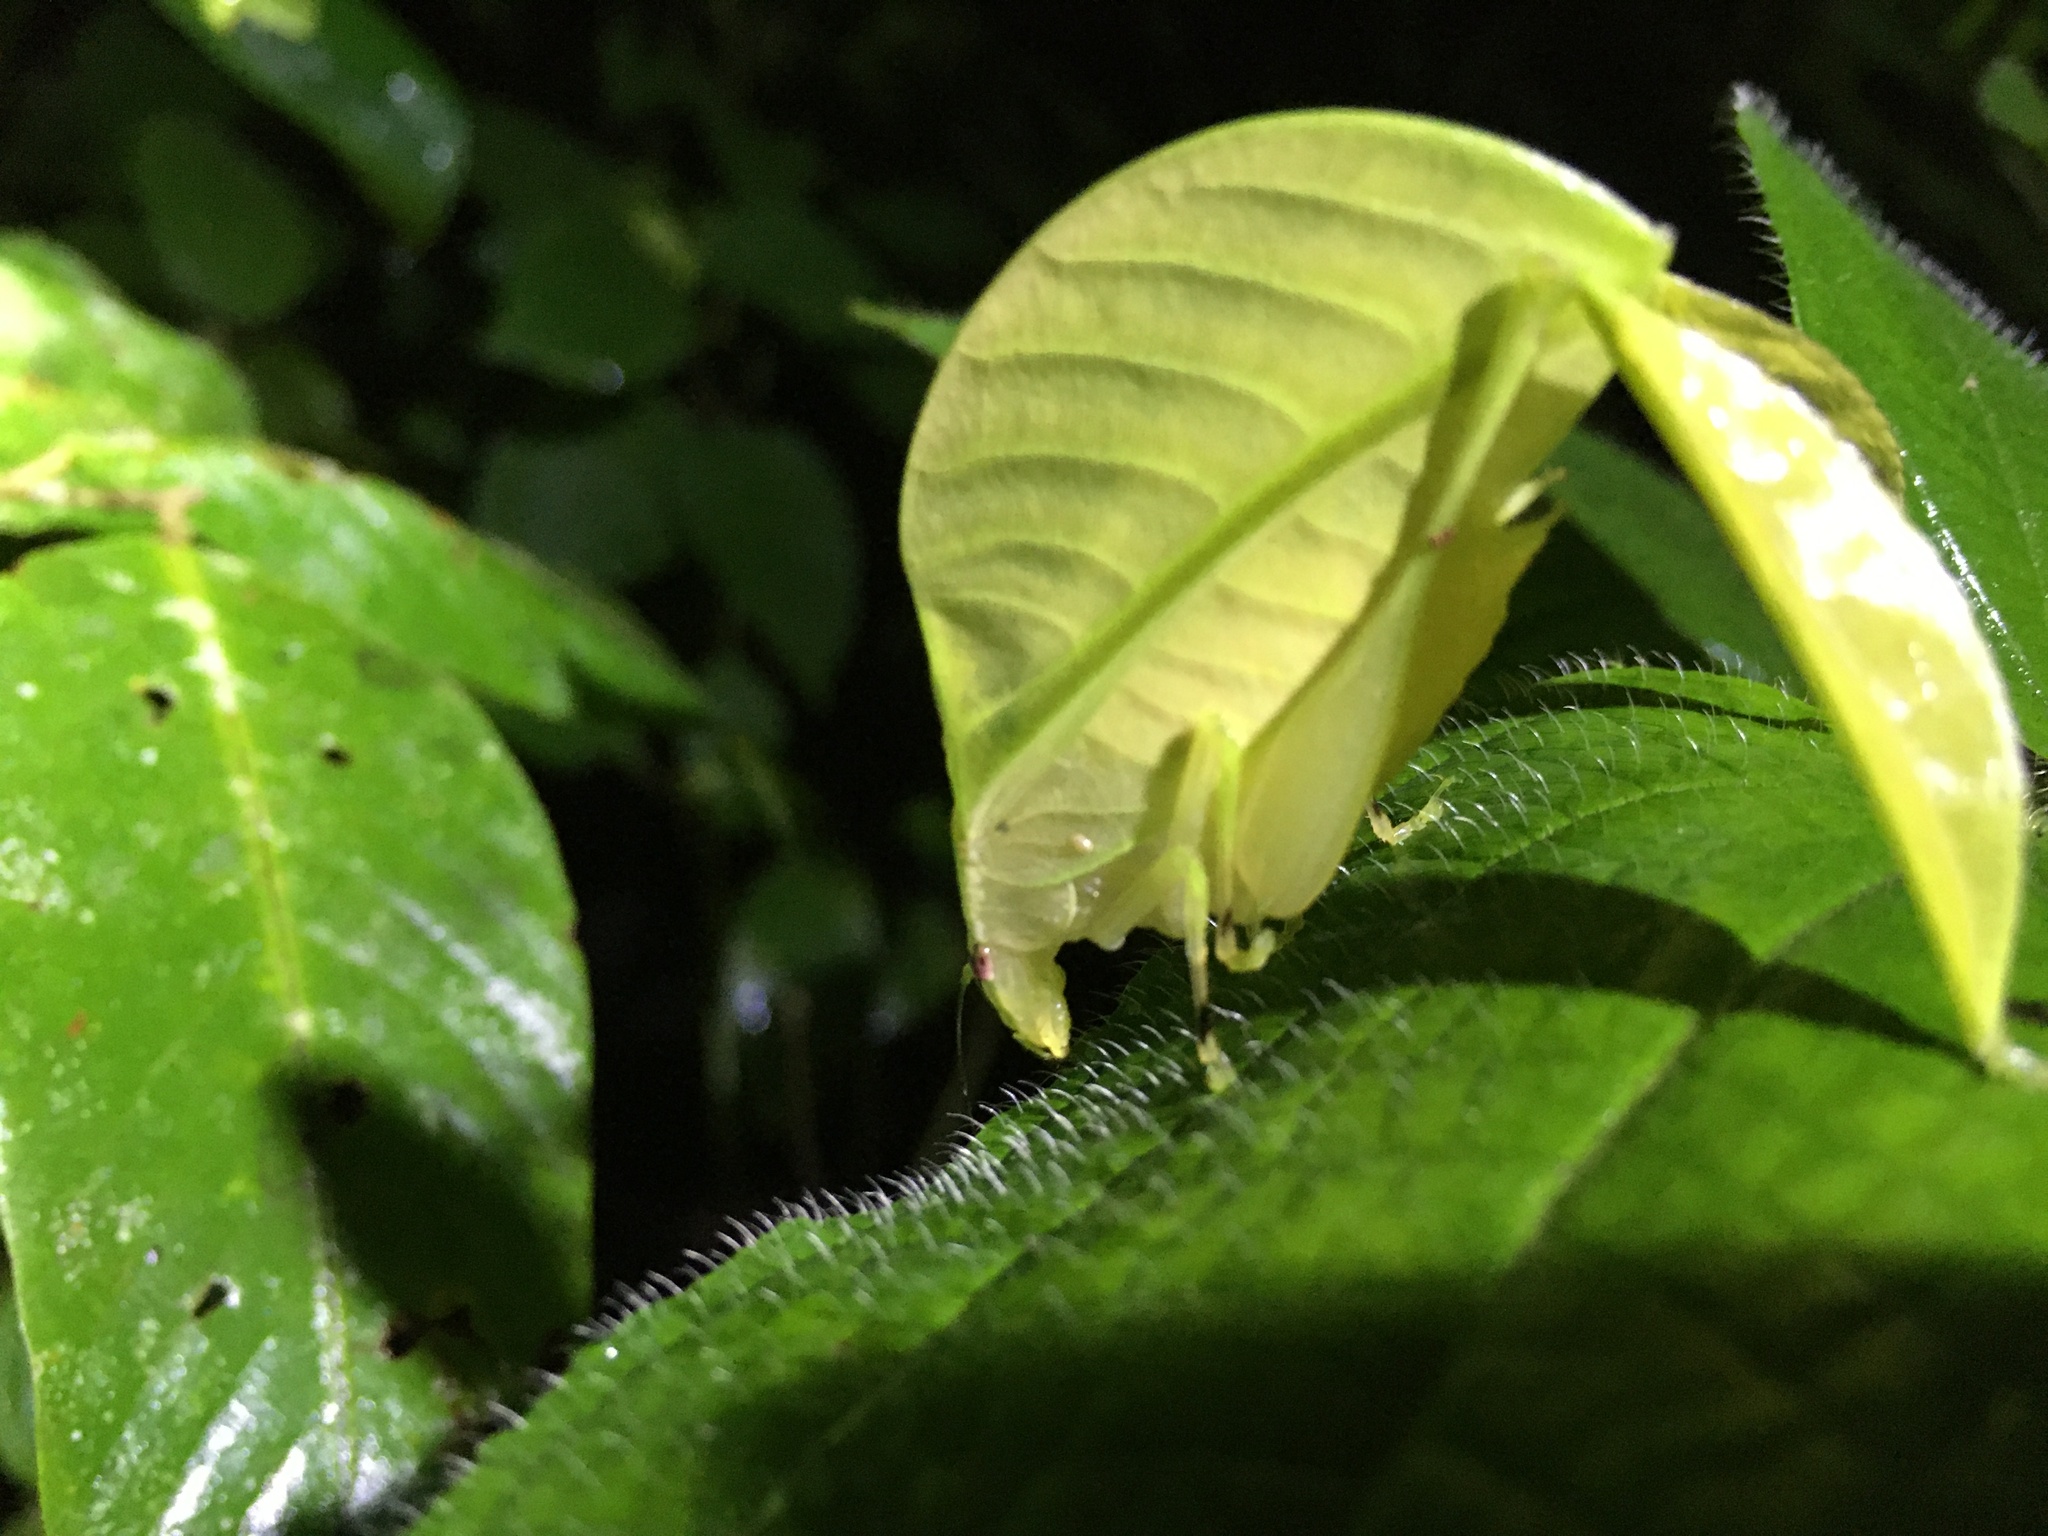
[161, 698]
[402, 1336]
[76, 1027]
[405, 1333]
[348, 1100]
[216, 1293]
[382, 669]
[334, 752]
[1002, 826]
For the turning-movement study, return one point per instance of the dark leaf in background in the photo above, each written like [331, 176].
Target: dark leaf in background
[781, 257]
[807, 914]
[230, 233]
[1655, 529]
[594, 270]
[760, 508]
[1605, 1148]
[1969, 407]
[363, 87]
[303, 401]
[2010, 98]
[601, 503]
[765, 512]
[594, 296]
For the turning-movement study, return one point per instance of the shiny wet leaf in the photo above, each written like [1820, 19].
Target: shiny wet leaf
[295, 1047]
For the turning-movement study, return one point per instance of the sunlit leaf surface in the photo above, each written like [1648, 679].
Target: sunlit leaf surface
[1605, 1149]
[295, 1046]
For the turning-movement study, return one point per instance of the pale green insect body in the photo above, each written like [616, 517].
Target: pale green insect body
[1212, 509]
[1160, 473]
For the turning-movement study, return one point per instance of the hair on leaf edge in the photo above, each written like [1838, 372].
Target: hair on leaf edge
[1744, 97]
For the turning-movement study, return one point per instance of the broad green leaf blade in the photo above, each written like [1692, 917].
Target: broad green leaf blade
[361, 85]
[231, 234]
[62, 325]
[295, 1047]
[1965, 403]
[1655, 529]
[1647, 951]
[369, 552]
[1878, 629]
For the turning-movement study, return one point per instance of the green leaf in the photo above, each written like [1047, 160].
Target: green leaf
[232, 235]
[592, 297]
[363, 87]
[599, 503]
[1655, 529]
[778, 255]
[372, 554]
[1962, 399]
[595, 270]
[765, 512]
[295, 19]
[1604, 1148]
[295, 1046]
[1878, 628]
[17, 1392]
[922, 330]
[60, 324]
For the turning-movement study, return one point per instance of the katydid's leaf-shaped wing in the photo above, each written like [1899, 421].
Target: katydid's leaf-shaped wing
[1163, 469]
[1880, 631]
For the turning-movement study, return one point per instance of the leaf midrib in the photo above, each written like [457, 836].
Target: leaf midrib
[1034, 721]
[257, 832]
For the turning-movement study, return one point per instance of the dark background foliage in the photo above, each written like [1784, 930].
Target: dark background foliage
[629, 348]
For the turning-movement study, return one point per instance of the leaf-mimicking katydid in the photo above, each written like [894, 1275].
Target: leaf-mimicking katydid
[1217, 498]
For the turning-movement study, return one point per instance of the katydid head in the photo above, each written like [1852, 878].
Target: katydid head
[1029, 991]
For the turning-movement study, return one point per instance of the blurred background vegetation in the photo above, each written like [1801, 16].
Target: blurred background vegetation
[582, 274]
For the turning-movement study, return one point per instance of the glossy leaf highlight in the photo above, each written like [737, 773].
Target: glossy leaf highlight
[259, 876]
